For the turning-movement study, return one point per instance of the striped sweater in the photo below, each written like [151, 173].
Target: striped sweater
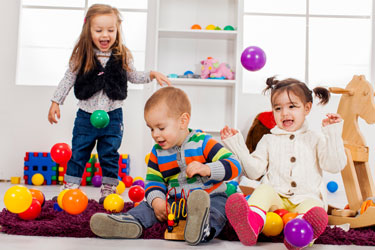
[167, 168]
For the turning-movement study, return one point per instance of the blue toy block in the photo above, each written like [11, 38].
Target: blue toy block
[40, 163]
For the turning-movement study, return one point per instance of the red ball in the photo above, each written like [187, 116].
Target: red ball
[61, 153]
[281, 212]
[32, 212]
[128, 181]
[136, 193]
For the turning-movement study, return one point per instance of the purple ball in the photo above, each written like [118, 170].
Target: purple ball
[139, 183]
[253, 58]
[96, 181]
[298, 232]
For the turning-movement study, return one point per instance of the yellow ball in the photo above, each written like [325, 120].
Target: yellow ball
[210, 27]
[274, 224]
[113, 203]
[60, 198]
[17, 199]
[37, 179]
[138, 178]
[170, 216]
[120, 187]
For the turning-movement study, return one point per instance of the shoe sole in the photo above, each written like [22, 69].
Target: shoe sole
[105, 226]
[318, 219]
[198, 210]
[237, 210]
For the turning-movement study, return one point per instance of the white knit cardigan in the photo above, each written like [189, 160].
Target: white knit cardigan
[293, 162]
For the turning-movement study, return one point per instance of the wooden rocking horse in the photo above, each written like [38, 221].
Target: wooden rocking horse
[357, 101]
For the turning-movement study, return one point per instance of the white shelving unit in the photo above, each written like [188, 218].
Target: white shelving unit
[174, 48]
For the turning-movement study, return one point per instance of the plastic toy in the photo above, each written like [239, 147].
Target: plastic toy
[176, 227]
[37, 179]
[60, 198]
[17, 199]
[74, 201]
[139, 182]
[40, 163]
[196, 27]
[61, 153]
[120, 187]
[231, 189]
[288, 217]
[113, 203]
[274, 224]
[96, 181]
[332, 186]
[357, 100]
[136, 193]
[32, 212]
[37, 194]
[228, 27]
[99, 119]
[281, 212]
[128, 180]
[138, 178]
[172, 76]
[15, 180]
[217, 28]
[298, 233]
[253, 58]
[210, 27]
[212, 69]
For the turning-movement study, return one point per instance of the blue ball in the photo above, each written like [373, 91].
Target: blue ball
[332, 186]
[188, 72]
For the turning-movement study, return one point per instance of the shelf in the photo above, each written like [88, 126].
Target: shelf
[202, 82]
[198, 34]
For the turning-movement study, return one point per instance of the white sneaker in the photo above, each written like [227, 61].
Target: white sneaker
[105, 190]
[69, 185]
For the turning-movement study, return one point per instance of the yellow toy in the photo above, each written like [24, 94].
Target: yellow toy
[176, 227]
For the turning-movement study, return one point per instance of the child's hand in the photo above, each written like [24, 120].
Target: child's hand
[331, 118]
[160, 78]
[227, 132]
[158, 205]
[54, 111]
[197, 168]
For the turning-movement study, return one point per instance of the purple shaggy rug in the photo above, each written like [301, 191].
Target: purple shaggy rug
[61, 224]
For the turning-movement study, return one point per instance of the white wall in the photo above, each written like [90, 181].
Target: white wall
[23, 111]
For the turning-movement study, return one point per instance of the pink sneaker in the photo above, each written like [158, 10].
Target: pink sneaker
[245, 222]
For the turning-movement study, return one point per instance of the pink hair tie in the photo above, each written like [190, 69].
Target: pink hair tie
[84, 20]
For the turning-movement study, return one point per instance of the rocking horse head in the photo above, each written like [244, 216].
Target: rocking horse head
[357, 101]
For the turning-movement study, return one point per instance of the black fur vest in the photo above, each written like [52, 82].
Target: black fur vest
[112, 80]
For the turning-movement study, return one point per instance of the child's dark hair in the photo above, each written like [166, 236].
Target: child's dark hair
[298, 88]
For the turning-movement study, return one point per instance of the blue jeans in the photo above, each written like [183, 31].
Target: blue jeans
[108, 141]
[146, 216]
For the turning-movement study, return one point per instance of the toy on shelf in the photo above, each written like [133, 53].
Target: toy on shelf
[212, 69]
[357, 100]
[176, 227]
[210, 27]
[228, 27]
[196, 27]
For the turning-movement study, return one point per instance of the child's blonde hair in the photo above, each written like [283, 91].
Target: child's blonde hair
[83, 55]
[175, 99]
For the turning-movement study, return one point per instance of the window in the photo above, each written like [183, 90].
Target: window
[49, 29]
[319, 42]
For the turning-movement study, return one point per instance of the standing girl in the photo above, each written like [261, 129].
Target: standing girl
[291, 161]
[99, 68]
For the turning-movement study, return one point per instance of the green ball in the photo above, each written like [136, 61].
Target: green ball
[99, 119]
[231, 189]
[228, 27]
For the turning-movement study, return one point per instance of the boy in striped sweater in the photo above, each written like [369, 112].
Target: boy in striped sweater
[183, 159]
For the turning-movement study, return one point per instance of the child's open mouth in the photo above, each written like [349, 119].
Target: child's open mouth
[287, 123]
[104, 43]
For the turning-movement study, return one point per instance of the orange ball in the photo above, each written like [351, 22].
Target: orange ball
[37, 194]
[74, 201]
[289, 216]
[196, 27]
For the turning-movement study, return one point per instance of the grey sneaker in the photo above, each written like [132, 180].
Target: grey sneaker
[65, 186]
[119, 226]
[198, 214]
[105, 190]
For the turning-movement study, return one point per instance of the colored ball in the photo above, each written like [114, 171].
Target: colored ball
[139, 183]
[96, 181]
[196, 27]
[74, 201]
[136, 193]
[99, 119]
[231, 189]
[60, 198]
[37, 194]
[128, 180]
[210, 27]
[274, 224]
[235, 183]
[18, 199]
[113, 203]
[217, 28]
[32, 212]
[332, 186]
[281, 212]
[120, 187]
[228, 27]
[37, 179]
[253, 58]
[288, 217]
[138, 178]
[298, 232]
[61, 153]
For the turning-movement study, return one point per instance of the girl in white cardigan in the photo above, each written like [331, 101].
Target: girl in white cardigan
[290, 159]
